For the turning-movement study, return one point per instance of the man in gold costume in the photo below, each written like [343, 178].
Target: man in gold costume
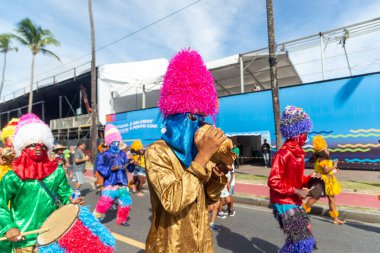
[181, 179]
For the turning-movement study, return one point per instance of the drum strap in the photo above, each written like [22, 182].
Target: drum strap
[56, 200]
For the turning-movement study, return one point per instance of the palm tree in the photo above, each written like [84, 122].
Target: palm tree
[5, 47]
[36, 39]
[273, 72]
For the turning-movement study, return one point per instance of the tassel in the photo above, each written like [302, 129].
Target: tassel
[307, 209]
[334, 214]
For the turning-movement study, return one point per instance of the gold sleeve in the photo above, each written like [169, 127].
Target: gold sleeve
[175, 187]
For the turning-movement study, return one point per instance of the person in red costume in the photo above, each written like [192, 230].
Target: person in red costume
[287, 181]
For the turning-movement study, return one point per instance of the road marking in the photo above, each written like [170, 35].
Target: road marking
[129, 241]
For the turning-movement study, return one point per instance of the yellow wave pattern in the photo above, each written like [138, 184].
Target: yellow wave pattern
[342, 150]
[359, 145]
[350, 135]
[365, 130]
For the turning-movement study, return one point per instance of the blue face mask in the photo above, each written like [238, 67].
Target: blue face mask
[114, 147]
[179, 135]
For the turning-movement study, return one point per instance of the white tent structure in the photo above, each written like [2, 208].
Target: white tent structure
[135, 85]
[129, 86]
[240, 73]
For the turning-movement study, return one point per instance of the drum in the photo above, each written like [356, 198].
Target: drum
[73, 229]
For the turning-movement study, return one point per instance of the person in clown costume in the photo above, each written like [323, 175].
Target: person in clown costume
[326, 167]
[7, 133]
[7, 153]
[181, 180]
[139, 175]
[30, 204]
[112, 165]
[287, 182]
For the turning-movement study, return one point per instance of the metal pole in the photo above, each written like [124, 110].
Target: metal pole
[43, 110]
[143, 96]
[345, 37]
[241, 74]
[60, 107]
[322, 56]
[348, 62]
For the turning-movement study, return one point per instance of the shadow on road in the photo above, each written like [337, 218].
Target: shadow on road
[85, 191]
[235, 242]
[363, 227]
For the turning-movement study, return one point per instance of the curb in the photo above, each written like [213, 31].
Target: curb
[316, 210]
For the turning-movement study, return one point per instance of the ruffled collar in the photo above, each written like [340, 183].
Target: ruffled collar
[25, 168]
[294, 147]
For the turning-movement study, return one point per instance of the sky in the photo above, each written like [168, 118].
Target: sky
[215, 28]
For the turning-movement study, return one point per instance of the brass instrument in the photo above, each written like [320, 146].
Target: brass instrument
[7, 155]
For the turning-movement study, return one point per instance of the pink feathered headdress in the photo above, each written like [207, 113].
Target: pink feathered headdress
[111, 134]
[188, 86]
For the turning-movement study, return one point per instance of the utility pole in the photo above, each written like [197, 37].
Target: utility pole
[94, 111]
[273, 72]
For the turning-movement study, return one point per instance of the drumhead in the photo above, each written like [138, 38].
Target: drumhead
[58, 223]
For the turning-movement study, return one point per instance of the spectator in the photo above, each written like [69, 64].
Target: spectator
[213, 208]
[265, 149]
[256, 87]
[236, 150]
[80, 160]
[226, 198]
[59, 157]
[70, 168]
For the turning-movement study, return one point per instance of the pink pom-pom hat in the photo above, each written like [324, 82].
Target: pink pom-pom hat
[188, 86]
[31, 129]
[111, 134]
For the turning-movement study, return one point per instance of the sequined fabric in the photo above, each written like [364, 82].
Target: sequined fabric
[179, 199]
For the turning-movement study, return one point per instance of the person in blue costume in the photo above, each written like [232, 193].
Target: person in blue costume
[111, 166]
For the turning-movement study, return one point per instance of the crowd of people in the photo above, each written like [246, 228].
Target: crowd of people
[190, 172]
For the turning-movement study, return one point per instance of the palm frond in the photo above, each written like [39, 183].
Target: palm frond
[6, 42]
[50, 53]
[26, 30]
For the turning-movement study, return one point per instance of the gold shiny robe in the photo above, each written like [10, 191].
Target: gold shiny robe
[179, 199]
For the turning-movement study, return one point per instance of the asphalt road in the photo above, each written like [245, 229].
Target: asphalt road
[253, 229]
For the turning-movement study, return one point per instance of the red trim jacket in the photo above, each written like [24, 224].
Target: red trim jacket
[287, 174]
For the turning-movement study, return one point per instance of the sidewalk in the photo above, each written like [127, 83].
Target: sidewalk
[345, 198]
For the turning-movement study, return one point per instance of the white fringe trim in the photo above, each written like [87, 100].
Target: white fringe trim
[33, 133]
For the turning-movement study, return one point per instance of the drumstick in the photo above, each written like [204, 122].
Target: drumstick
[37, 231]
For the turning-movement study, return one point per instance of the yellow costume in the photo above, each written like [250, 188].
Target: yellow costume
[180, 220]
[140, 160]
[332, 187]
[4, 168]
